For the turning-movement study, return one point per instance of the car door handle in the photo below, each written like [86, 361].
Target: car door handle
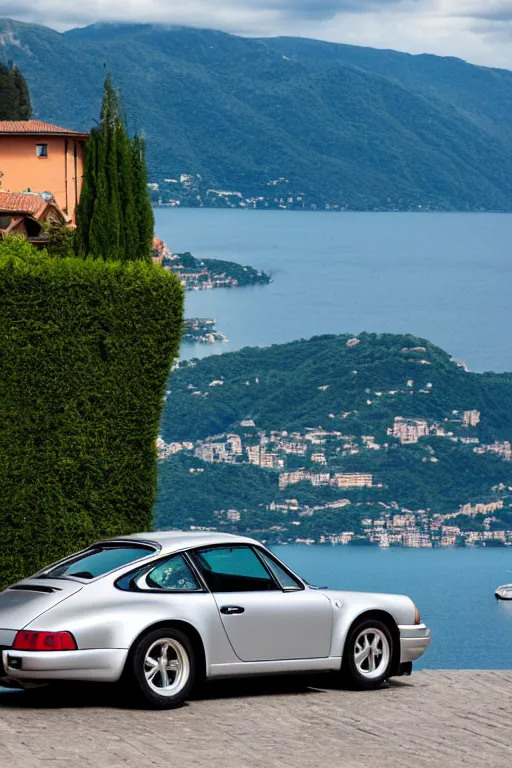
[232, 610]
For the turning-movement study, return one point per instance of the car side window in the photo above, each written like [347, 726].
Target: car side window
[171, 575]
[233, 569]
[174, 574]
[286, 581]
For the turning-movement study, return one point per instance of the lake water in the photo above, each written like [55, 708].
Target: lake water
[453, 588]
[446, 277]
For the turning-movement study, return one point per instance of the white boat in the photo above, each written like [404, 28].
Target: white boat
[504, 592]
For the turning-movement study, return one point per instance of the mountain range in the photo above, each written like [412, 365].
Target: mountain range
[366, 128]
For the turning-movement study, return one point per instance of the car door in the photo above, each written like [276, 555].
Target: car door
[265, 620]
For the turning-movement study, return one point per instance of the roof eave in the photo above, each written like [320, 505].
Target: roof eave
[60, 134]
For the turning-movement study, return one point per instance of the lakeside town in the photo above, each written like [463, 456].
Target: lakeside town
[311, 458]
[189, 190]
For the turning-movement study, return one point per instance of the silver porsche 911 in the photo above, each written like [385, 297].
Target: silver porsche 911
[161, 611]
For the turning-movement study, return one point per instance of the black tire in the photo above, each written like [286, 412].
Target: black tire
[362, 677]
[149, 650]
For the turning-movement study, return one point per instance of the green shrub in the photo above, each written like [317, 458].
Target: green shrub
[85, 351]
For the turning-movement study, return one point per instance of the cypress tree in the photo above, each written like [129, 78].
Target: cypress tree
[7, 95]
[114, 218]
[85, 209]
[145, 217]
[14, 95]
[104, 229]
[105, 225]
[23, 93]
[129, 229]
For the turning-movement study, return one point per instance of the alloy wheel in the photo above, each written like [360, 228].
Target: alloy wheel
[371, 653]
[166, 667]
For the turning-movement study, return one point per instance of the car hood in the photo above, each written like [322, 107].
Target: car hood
[25, 601]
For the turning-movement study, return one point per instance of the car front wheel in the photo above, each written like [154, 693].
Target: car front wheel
[368, 656]
[162, 668]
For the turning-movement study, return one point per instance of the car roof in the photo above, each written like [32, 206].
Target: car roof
[174, 541]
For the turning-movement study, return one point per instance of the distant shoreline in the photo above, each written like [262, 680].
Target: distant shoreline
[331, 211]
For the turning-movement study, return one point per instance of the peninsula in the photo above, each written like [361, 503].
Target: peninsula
[202, 330]
[205, 274]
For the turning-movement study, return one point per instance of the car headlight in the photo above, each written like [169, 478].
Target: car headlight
[417, 617]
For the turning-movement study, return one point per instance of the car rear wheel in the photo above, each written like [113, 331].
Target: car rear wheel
[368, 656]
[162, 668]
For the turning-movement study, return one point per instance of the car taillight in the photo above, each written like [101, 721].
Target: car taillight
[44, 641]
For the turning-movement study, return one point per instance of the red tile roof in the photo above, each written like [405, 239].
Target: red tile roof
[22, 202]
[36, 127]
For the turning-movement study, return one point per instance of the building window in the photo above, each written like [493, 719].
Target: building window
[5, 221]
[42, 150]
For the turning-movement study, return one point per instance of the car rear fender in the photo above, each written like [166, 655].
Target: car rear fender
[102, 616]
[189, 630]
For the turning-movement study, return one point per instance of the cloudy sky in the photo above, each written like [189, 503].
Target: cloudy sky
[477, 30]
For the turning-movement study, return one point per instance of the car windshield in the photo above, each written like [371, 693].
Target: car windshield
[97, 561]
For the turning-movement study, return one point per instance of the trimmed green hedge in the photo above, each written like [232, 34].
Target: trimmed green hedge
[85, 352]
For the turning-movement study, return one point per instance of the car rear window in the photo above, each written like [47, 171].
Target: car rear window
[97, 561]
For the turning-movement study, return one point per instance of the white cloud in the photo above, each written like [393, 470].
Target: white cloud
[477, 30]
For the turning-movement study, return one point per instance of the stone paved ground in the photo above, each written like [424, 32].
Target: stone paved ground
[445, 719]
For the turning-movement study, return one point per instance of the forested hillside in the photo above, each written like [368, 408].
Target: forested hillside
[346, 428]
[363, 128]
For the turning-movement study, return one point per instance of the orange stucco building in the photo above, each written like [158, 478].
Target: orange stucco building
[40, 157]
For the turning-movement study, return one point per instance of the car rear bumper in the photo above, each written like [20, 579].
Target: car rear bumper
[95, 665]
[414, 641]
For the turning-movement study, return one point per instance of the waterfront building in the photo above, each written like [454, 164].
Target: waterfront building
[353, 480]
[43, 158]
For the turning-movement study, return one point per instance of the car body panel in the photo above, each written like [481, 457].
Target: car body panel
[104, 617]
[297, 624]
[351, 606]
[100, 665]
[282, 667]
[414, 641]
[180, 541]
[31, 598]
[279, 631]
